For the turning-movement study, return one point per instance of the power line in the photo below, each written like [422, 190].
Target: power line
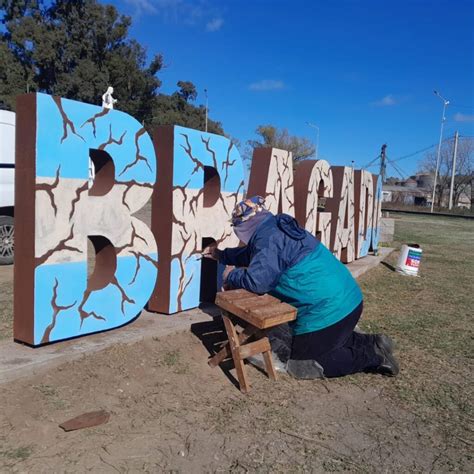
[371, 163]
[404, 157]
[419, 151]
[415, 152]
[396, 168]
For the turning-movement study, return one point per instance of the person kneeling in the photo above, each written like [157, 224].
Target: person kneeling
[286, 261]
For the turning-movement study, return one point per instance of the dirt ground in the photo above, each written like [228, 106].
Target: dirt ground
[170, 412]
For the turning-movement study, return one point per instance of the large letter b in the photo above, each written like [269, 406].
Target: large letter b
[58, 208]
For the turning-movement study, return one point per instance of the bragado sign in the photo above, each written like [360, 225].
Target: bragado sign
[193, 179]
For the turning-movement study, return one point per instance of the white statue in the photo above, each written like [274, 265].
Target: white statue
[107, 100]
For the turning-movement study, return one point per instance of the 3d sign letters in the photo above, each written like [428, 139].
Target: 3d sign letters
[364, 204]
[342, 208]
[201, 179]
[56, 212]
[313, 181]
[271, 176]
[193, 181]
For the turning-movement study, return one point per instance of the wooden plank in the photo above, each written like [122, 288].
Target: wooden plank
[232, 307]
[232, 295]
[280, 308]
[86, 420]
[267, 357]
[234, 348]
[225, 352]
[266, 317]
[273, 315]
[244, 300]
[248, 304]
[256, 347]
[262, 311]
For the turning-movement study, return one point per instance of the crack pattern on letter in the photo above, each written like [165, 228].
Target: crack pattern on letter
[342, 208]
[56, 310]
[96, 116]
[62, 214]
[138, 156]
[67, 123]
[49, 188]
[276, 183]
[62, 246]
[112, 140]
[190, 220]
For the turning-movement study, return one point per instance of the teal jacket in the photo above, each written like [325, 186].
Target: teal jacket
[321, 288]
[288, 262]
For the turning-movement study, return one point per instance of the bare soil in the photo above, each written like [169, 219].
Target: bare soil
[170, 412]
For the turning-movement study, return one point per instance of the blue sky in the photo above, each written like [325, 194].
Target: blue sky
[363, 71]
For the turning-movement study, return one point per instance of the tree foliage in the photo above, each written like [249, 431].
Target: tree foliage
[270, 136]
[464, 169]
[76, 49]
[175, 110]
[187, 90]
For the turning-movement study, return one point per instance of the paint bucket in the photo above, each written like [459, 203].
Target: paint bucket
[409, 259]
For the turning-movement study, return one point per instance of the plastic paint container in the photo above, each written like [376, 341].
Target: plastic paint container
[409, 259]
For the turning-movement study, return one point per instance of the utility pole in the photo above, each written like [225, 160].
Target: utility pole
[205, 92]
[443, 119]
[455, 152]
[383, 163]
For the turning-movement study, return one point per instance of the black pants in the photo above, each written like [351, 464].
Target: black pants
[337, 348]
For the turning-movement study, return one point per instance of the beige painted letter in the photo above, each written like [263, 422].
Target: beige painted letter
[313, 180]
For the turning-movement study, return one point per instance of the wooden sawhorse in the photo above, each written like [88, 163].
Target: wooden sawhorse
[259, 312]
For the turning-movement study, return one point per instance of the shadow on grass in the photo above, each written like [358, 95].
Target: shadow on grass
[389, 266]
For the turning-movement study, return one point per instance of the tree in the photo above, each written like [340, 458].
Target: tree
[464, 169]
[175, 110]
[270, 136]
[11, 78]
[187, 90]
[74, 50]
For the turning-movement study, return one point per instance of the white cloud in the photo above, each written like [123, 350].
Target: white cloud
[458, 117]
[184, 12]
[142, 6]
[214, 25]
[267, 85]
[385, 101]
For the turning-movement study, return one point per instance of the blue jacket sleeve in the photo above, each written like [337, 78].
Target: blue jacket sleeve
[263, 273]
[238, 256]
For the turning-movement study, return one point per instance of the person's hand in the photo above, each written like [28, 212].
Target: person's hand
[211, 252]
[225, 274]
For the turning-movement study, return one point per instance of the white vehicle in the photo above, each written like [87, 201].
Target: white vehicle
[7, 185]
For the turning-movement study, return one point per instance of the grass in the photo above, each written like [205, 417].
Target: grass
[17, 454]
[430, 316]
[173, 360]
[51, 394]
[435, 309]
[6, 308]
